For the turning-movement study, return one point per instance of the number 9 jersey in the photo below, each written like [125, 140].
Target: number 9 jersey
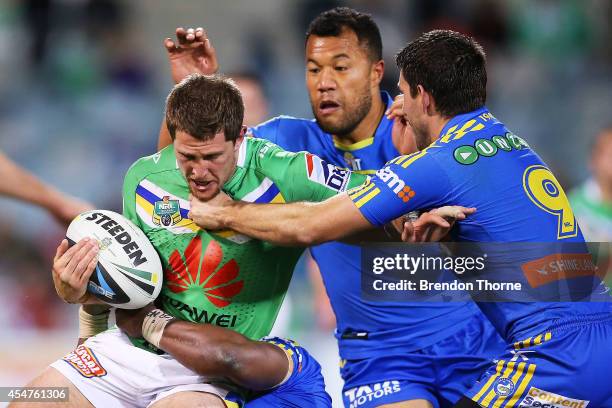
[478, 162]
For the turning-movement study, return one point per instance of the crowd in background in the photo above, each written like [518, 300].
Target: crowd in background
[82, 87]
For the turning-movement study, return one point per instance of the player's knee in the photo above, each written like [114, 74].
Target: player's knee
[193, 399]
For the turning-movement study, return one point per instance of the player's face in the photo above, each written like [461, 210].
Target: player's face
[412, 109]
[339, 77]
[206, 164]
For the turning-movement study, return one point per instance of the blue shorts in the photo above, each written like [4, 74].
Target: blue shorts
[567, 366]
[305, 388]
[440, 374]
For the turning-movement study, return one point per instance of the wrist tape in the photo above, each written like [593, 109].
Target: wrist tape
[154, 324]
[92, 324]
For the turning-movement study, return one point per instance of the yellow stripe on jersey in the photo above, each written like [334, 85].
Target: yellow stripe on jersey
[453, 134]
[515, 378]
[402, 159]
[364, 171]
[231, 404]
[353, 146]
[412, 158]
[278, 199]
[358, 191]
[490, 381]
[532, 341]
[521, 388]
[367, 197]
[487, 401]
[522, 344]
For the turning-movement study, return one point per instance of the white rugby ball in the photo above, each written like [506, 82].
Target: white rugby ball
[129, 272]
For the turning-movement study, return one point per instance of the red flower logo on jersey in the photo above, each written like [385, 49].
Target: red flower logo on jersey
[219, 285]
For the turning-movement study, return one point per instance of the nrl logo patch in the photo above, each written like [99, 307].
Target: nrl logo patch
[167, 212]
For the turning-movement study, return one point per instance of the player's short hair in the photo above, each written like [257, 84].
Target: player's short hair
[204, 105]
[332, 22]
[449, 65]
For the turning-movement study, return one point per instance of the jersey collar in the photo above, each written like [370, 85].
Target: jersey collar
[464, 117]
[380, 130]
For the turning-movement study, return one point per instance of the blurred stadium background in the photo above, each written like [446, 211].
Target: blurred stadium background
[82, 87]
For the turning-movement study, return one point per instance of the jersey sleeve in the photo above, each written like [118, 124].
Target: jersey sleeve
[405, 184]
[130, 184]
[302, 176]
[267, 130]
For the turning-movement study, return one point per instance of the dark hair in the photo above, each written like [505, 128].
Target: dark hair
[449, 65]
[204, 105]
[330, 23]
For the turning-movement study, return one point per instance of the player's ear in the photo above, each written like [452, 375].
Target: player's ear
[240, 138]
[378, 70]
[425, 98]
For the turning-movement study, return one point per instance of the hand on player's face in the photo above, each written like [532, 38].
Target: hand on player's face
[130, 321]
[434, 225]
[191, 53]
[72, 268]
[209, 214]
[402, 133]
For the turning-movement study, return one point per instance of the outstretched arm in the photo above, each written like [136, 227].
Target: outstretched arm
[306, 224]
[295, 224]
[22, 185]
[213, 351]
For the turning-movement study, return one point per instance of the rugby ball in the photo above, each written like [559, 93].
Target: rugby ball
[129, 272]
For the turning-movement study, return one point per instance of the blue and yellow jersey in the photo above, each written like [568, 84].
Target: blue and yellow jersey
[363, 328]
[478, 162]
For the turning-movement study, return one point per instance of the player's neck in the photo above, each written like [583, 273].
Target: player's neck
[367, 127]
[436, 125]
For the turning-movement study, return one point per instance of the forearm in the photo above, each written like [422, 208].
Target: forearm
[284, 224]
[93, 320]
[21, 184]
[224, 354]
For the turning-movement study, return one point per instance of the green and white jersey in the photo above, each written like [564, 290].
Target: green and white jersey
[225, 278]
[593, 214]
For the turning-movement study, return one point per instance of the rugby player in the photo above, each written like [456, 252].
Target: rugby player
[220, 278]
[344, 68]
[559, 353]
